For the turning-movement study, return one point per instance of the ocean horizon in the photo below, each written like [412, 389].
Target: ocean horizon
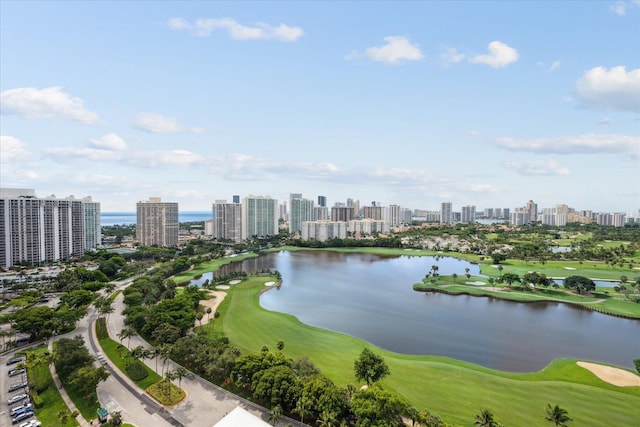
[129, 218]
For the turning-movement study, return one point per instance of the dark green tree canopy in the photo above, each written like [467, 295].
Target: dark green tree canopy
[579, 283]
[370, 367]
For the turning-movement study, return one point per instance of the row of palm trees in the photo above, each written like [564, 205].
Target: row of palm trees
[554, 414]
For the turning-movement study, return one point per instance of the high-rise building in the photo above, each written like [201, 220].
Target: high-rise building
[322, 201]
[301, 211]
[393, 214]
[92, 224]
[227, 221]
[39, 229]
[342, 213]
[259, 217]
[372, 212]
[236, 198]
[446, 216]
[157, 223]
[531, 209]
[323, 230]
[468, 215]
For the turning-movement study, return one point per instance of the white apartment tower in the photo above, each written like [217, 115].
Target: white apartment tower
[301, 210]
[39, 229]
[446, 215]
[227, 220]
[157, 223]
[259, 216]
[468, 215]
[92, 224]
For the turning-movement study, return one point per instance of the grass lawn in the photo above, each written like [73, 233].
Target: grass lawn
[52, 402]
[210, 266]
[453, 389]
[110, 350]
[560, 269]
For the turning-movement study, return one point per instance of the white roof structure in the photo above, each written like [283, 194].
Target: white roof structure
[241, 418]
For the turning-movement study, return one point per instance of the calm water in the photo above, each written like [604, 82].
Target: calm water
[128, 218]
[371, 297]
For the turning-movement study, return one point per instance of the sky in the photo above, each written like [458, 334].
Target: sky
[411, 103]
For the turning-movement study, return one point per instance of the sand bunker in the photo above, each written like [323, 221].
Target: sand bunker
[234, 282]
[615, 376]
[223, 287]
[214, 302]
[475, 283]
[569, 268]
[269, 283]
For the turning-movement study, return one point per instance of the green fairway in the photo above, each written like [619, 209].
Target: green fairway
[455, 390]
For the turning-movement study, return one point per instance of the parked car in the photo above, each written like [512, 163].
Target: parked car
[22, 416]
[16, 409]
[17, 371]
[22, 411]
[15, 360]
[17, 398]
[17, 386]
[31, 423]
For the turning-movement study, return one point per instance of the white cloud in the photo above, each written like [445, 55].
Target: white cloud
[11, 149]
[615, 89]
[621, 7]
[473, 132]
[169, 157]
[590, 143]
[110, 141]
[451, 56]
[155, 123]
[538, 168]
[554, 66]
[45, 103]
[67, 154]
[259, 31]
[500, 55]
[397, 49]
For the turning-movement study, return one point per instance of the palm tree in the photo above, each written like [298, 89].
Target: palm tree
[274, 414]
[165, 353]
[327, 419]
[301, 409]
[116, 418]
[557, 415]
[454, 276]
[209, 310]
[180, 373]
[500, 268]
[485, 419]
[199, 316]
[127, 333]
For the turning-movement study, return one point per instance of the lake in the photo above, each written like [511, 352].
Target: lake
[371, 297]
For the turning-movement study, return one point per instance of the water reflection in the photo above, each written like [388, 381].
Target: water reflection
[371, 297]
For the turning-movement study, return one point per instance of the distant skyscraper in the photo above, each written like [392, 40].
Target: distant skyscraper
[157, 223]
[38, 230]
[236, 199]
[301, 210]
[92, 224]
[531, 210]
[259, 217]
[468, 214]
[342, 213]
[372, 212]
[445, 213]
[227, 220]
[322, 201]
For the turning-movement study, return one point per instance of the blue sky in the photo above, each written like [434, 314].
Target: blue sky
[411, 103]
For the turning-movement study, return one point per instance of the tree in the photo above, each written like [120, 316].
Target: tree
[510, 278]
[500, 268]
[370, 367]
[557, 415]
[274, 415]
[375, 406]
[209, 310]
[127, 333]
[636, 362]
[579, 283]
[181, 372]
[485, 419]
[116, 418]
[71, 354]
[86, 379]
[199, 316]
[280, 345]
[454, 276]
[301, 409]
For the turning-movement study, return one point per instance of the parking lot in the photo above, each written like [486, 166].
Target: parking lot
[16, 408]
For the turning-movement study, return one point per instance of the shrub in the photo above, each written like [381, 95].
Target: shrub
[101, 328]
[37, 400]
[136, 371]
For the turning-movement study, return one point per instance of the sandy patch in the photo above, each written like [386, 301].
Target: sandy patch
[569, 268]
[269, 283]
[214, 302]
[475, 283]
[615, 376]
[234, 282]
[223, 287]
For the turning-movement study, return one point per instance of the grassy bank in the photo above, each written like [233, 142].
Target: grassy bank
[210, 266]
[454, 389]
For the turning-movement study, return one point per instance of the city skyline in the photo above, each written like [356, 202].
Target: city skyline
[411, 103]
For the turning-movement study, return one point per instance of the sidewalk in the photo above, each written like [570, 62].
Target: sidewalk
[63, 393]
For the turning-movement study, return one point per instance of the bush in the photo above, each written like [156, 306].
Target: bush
[37, 400]
[136, 371]
[101, 328]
